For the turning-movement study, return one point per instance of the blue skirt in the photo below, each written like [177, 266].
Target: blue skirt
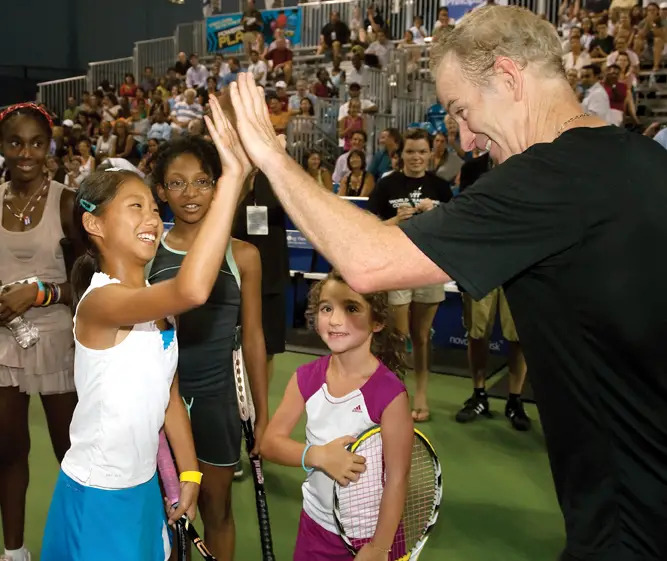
[86, 523]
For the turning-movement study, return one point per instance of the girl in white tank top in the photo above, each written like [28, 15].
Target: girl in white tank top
[124, 369]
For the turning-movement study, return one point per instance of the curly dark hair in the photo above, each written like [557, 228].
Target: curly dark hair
[388, 345]
[199, 147]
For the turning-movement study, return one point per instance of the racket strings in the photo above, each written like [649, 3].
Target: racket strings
[359, 503]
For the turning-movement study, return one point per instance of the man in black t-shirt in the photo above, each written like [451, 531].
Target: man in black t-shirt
[396, 199]
[579, 250]
[334, 35]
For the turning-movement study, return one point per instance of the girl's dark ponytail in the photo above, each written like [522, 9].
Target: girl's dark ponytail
[95, 192]
[389, 347]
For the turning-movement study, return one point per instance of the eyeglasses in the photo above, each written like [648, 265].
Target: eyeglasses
[202, 184]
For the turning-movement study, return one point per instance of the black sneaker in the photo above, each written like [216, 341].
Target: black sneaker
[473, 408]
[515, 412]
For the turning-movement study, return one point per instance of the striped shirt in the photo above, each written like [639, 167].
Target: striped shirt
[184, 113]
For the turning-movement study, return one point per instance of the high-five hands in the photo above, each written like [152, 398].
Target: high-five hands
[253, 123]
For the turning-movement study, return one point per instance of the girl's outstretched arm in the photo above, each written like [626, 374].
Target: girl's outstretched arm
[397, 440]
[179, 433]
[116, 305]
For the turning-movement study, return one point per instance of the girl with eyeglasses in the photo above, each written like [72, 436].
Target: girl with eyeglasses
[186, 171]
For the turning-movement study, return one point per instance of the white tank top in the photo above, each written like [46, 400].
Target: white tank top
[123, 394]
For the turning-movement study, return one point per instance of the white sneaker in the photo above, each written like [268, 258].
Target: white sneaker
[26, 557]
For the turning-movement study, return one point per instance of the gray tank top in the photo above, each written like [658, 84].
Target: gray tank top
[206, 335]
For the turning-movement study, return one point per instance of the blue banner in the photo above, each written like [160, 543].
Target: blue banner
[225, 34]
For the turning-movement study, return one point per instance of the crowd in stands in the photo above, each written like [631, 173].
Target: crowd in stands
[604, 54]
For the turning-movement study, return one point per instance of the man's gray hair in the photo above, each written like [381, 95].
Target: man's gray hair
[493, 31]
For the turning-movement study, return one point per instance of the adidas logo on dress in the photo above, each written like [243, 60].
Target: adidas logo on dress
[357, 409]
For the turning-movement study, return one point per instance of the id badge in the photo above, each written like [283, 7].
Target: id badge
[257, 221]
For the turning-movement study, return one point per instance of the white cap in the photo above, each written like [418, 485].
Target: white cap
[281, 84]
[68, 123]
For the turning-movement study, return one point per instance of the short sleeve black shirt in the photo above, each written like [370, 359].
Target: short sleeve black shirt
[576, 231]
[396, 190]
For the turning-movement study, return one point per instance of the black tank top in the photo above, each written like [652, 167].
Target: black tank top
[205, 334]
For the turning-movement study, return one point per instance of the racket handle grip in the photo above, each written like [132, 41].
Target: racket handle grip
[165, 465]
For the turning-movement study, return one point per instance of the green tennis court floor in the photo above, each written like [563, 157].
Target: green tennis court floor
[498, 504]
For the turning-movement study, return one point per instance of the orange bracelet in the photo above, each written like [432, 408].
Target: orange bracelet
[41, 293]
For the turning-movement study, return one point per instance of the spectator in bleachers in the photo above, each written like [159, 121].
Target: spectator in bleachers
[158, 103]
[106, 87]
[323, 87]
[603, 44]
[443, 19]
[258, 68]
[220, 66]
[301, 92]
[196, 75]
[621, 44]
[106, 143]
[663, 13]
[234, 69]
[125, 108]
[139, 126]
[627, 73]
[185, 111]
[211, 86]
[85, 102]
[173, 79]
[312, 163]
[444, 163]
[334, 35]
[160, 129]
[577, 58]
[395, 199]
[620, 97]
[279, 117]
[125, 148]
[196, 127]
[252, 23]
[147, 163]
[110, 108]
[139, 98]
[359, 73]
[182, 65]
[357, 142]
[128, 88]
[304, 122]
[390, 140]
[636, 15]
[77, 133]
[419, 33]
[381, 48]
[357, 182]
[357, 31]
[453, 140]
[217, 74]
[337, 74]
[89, 127]
[280, 61]
[573, 80]
[353, 122]
[72, 111]
[567, 43]
[54, 169]
[73, 171]
[354, 91]
[281, 94]
[174, 98]
[596, 100]
[279, 33]
[85, 151]
[651, 29]
[374, 20]
[587, 34]
[162, 88]
[413, 52]
[148, 81]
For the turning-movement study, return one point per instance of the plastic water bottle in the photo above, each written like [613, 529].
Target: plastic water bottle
[24, 331]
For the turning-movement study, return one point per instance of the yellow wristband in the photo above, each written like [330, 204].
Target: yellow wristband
[191, 476]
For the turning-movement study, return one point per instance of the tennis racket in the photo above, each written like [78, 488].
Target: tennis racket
[184, 530]
[357, 506]
[247, 413]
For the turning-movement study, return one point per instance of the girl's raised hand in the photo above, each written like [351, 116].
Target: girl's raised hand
[234, 160]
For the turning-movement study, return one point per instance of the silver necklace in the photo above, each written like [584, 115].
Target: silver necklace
[566, 123]
[22, 215]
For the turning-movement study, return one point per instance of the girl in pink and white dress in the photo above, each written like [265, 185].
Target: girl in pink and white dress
[344, 394]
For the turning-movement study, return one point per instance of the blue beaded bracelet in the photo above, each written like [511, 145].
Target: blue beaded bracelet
[303, 460]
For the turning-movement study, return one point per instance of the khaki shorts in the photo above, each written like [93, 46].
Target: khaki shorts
[479, 317]
[431, 294]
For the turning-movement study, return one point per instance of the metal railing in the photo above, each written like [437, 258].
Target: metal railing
[54, 94]
[112, 70]
[305, 134]
[158, 53]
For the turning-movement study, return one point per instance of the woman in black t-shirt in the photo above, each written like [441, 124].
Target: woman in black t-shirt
[396, 198]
